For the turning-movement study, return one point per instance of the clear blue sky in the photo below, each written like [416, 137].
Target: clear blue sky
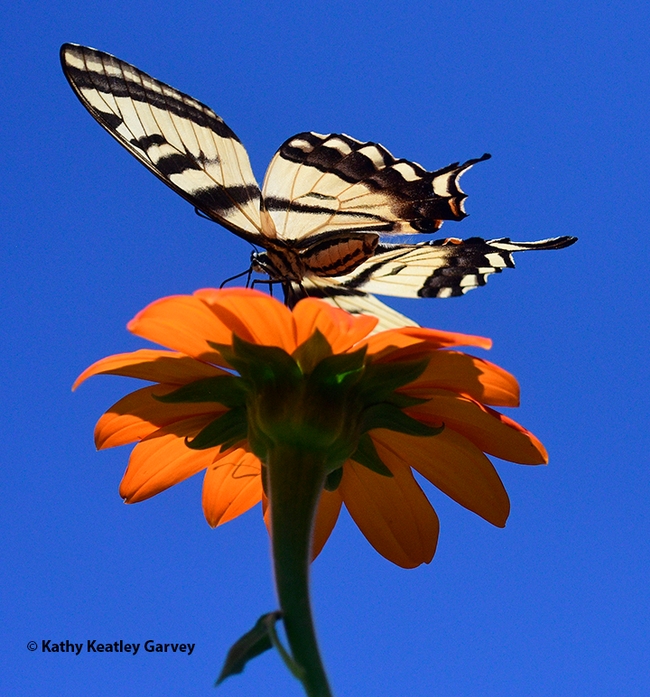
[554, 605]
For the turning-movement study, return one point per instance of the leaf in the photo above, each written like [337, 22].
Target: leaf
[227, 429]
[366, 454]
[334, 479]
[311, 352]
[381, 379]
[252, 644]
[394, 419]
[339, 368]
[228, 390]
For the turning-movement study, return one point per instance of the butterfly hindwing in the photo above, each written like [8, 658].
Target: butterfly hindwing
[436, 269]
[355, 302]
[183, 142]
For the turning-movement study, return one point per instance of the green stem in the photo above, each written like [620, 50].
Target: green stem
[295, 479]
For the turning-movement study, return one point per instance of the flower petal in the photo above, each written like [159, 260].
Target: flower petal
[460, 372]
[162, 460]
[253, 316]
[327, 514]
[392, 512]
[231, 486]
[138, 415]
[535, 442]
[430, 338]
[490, 431]
[183, 323]
[341, 329]
[454, 465]
[150, 364]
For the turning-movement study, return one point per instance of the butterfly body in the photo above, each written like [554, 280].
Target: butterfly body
[334, 256]
[325, 203]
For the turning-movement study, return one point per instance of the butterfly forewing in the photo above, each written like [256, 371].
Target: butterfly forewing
[182, 141]
[321, 183]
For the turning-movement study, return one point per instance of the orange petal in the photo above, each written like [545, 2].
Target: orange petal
[253, 316]
[138, 415]
[487, 429]
[451, 463]
[183, 323]
[162, 460]
[431, 338]
[459, 372]
[153, 365]
[537, 444]
[341, 329]
[441, 339]
[231, 486]
[327, 514]
[392, 512]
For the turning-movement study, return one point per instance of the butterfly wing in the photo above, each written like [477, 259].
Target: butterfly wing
[182, 141]
[323, 185]
[326, 198]
[355, 302]
[440, 268]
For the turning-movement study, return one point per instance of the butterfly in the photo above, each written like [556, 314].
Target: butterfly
[326, 203]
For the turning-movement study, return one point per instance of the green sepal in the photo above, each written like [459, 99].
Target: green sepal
[382, 379]
[333, 479]
[252, 644]
[226, 430]
[260, 365]
[393, 418]
[366, 454]
[339, 371]
[311, 352]
[228, 390]
[224, 349]
[403, 401]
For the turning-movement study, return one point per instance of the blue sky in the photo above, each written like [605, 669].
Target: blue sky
[555, 604]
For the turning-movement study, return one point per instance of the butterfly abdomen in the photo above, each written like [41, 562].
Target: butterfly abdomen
[331, 256]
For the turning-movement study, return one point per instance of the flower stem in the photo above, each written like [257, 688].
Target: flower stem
[295, 479]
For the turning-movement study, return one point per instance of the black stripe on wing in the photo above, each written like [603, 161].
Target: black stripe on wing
[182, 141]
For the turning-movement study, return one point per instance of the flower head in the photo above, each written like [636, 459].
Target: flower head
[242, 372]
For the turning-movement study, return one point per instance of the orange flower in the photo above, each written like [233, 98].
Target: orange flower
[442, 388]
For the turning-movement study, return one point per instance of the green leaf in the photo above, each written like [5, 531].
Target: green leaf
[264, 365]
[334, 479]
[227, 429]
[224, 349]
[391, 417]
[339, 371]
[366, 454]
[229, 390]
[382, 379]
[403, 401]
[252, 644]
[311, 352]
[343, 363]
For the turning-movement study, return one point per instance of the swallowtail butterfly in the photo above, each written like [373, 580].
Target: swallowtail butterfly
[325, 201]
